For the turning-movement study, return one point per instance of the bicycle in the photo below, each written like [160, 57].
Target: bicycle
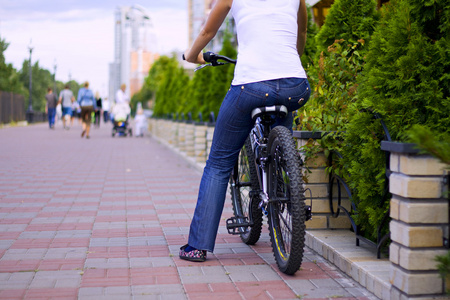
[267, 180]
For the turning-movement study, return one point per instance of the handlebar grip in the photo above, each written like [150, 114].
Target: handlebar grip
[208, 56]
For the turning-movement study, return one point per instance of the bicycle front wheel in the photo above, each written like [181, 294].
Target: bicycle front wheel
[286, 201]
[242, 181]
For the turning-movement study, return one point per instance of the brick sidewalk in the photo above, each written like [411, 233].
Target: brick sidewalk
[104, 219]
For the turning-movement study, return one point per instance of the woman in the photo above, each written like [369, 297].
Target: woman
[88, 104]
[271, 38]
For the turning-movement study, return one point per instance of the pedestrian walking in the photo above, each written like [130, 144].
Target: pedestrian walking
[66, 99]
[98, 111]
[121, 96]
[50, 107]
[271, 38]
[140, 123]
[105, 108]
[76, 112]
[88, 104]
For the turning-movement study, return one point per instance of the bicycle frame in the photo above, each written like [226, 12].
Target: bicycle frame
[259, 136]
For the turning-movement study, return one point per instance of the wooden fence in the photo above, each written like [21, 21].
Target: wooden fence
[12, 107]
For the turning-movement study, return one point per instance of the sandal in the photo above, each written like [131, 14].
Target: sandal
[193, 255]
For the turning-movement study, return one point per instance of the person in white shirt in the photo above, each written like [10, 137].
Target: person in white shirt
[121, 96]
[140, 122]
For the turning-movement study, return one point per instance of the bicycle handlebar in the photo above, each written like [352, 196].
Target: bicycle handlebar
[212, 58]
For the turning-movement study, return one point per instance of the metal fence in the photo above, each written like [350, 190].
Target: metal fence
[12, 107]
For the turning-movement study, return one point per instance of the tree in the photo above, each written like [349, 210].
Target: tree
[220, 79]
[209, 86]
[9, 77]
[41, 80]
[167, 80]
[350, 20]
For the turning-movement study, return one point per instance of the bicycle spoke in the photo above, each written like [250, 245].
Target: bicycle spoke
[243, 180]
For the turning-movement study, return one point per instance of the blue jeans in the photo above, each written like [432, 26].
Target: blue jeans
[66, 110]
[51, 117]
[233, 125]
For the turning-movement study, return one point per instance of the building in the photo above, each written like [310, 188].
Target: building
[198, 13]
[134, 49]
[320, 9]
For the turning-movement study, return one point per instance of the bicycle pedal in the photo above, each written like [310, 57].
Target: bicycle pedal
[237, 225]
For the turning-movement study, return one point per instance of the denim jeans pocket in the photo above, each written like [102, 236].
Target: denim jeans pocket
[249, 97]
[298, 96]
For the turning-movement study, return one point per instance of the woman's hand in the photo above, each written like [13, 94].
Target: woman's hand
[194, 59]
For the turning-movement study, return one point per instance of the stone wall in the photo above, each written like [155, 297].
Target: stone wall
[419, 223]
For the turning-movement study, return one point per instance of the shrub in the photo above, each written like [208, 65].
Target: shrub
[350, 20]
[405, 80]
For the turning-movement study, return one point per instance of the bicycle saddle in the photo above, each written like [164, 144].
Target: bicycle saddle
[275, 110]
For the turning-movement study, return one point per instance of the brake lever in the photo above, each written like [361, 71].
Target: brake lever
[217, 63]
[201, 67]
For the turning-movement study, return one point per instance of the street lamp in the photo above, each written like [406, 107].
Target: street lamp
[54, 78]
[29, 113]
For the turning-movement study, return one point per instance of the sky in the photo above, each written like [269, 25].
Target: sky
[78, 36]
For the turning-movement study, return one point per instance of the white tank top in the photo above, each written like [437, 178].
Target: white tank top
[267, 40]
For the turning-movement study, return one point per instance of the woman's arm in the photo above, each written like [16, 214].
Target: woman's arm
[212, 25]
[302, 21]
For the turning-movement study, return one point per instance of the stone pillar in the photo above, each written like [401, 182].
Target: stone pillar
[159, 125]
[316, 186]
[200, 142]
[190, 142]
[182, 136]
[173, 133]
[420, 220]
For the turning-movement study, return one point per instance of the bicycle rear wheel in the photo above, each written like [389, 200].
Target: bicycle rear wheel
[286, 201]
[242, 181]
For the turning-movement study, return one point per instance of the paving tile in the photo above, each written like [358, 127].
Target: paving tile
[160, 291]
[107, 263]
[12, 294]
[16, 280]
[155, 262]
[251, 273]
[20, 254]
[52, 293]
[208, 274]
[106, 293]
[105, 277]
[212, 291]
[56, 279]
[265, 290]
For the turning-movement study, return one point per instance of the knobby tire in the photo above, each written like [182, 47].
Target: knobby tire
[286, 201]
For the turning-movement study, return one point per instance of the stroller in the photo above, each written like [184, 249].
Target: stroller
[121, 113]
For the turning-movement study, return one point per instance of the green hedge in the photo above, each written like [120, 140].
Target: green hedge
[404, 77]
[173, 91]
